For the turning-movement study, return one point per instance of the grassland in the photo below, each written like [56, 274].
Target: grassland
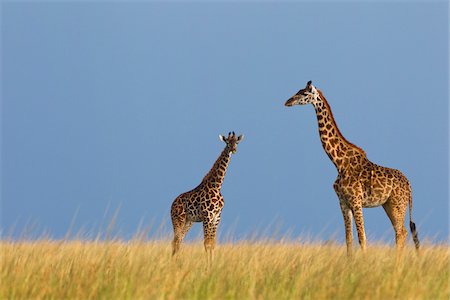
[243, 270]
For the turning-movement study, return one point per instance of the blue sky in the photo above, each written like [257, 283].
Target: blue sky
[110, 105]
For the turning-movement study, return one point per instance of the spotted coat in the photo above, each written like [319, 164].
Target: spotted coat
[205, 202]
[360, 183]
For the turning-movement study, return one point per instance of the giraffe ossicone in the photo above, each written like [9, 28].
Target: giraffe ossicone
[205, 202]
[360, 183]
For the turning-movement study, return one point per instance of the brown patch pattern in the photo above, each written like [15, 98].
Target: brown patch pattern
[360, 183]
[204, 203]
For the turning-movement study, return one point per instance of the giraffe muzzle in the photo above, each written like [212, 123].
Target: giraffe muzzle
[289, 102]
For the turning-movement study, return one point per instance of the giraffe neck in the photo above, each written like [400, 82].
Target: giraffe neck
[215, 176]
[339, 150]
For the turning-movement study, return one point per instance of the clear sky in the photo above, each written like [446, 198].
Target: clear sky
[114, 105]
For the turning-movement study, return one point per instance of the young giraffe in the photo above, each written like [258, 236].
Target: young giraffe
[360, 183]
[205, 202]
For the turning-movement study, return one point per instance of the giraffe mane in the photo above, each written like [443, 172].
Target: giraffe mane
[337, 128]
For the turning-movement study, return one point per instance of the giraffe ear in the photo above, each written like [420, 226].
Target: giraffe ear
[240, 138]
[222, 138]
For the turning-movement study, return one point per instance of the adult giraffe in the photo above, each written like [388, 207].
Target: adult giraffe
[360, 183]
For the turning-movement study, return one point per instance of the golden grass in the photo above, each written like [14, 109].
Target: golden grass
[244, 270]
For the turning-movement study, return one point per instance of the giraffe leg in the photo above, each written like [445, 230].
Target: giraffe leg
[179, 233]
[396, 214]
[177, 238]
[209, 230]
[180, 224]
[347, 214]
[359, 221]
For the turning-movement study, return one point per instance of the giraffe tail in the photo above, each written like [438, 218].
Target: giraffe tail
[412, 225]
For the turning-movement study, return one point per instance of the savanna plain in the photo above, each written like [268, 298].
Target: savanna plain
[254, 269]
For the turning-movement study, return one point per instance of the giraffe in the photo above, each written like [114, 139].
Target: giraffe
[205, 202]
[360, 183]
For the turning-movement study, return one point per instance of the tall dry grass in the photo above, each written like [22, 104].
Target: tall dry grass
[243, 270]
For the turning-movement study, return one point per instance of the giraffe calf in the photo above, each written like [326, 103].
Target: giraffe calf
[205, 202]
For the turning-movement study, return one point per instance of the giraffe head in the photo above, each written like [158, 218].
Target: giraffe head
[305, 96]
[232, 141]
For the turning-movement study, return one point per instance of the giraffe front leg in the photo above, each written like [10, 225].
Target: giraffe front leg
[347, 214]
[209, 242]
[359, 221]
[209, 231]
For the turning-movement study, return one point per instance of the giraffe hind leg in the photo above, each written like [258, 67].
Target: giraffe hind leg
[396, 214]
[179, 235]
[180, 226]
